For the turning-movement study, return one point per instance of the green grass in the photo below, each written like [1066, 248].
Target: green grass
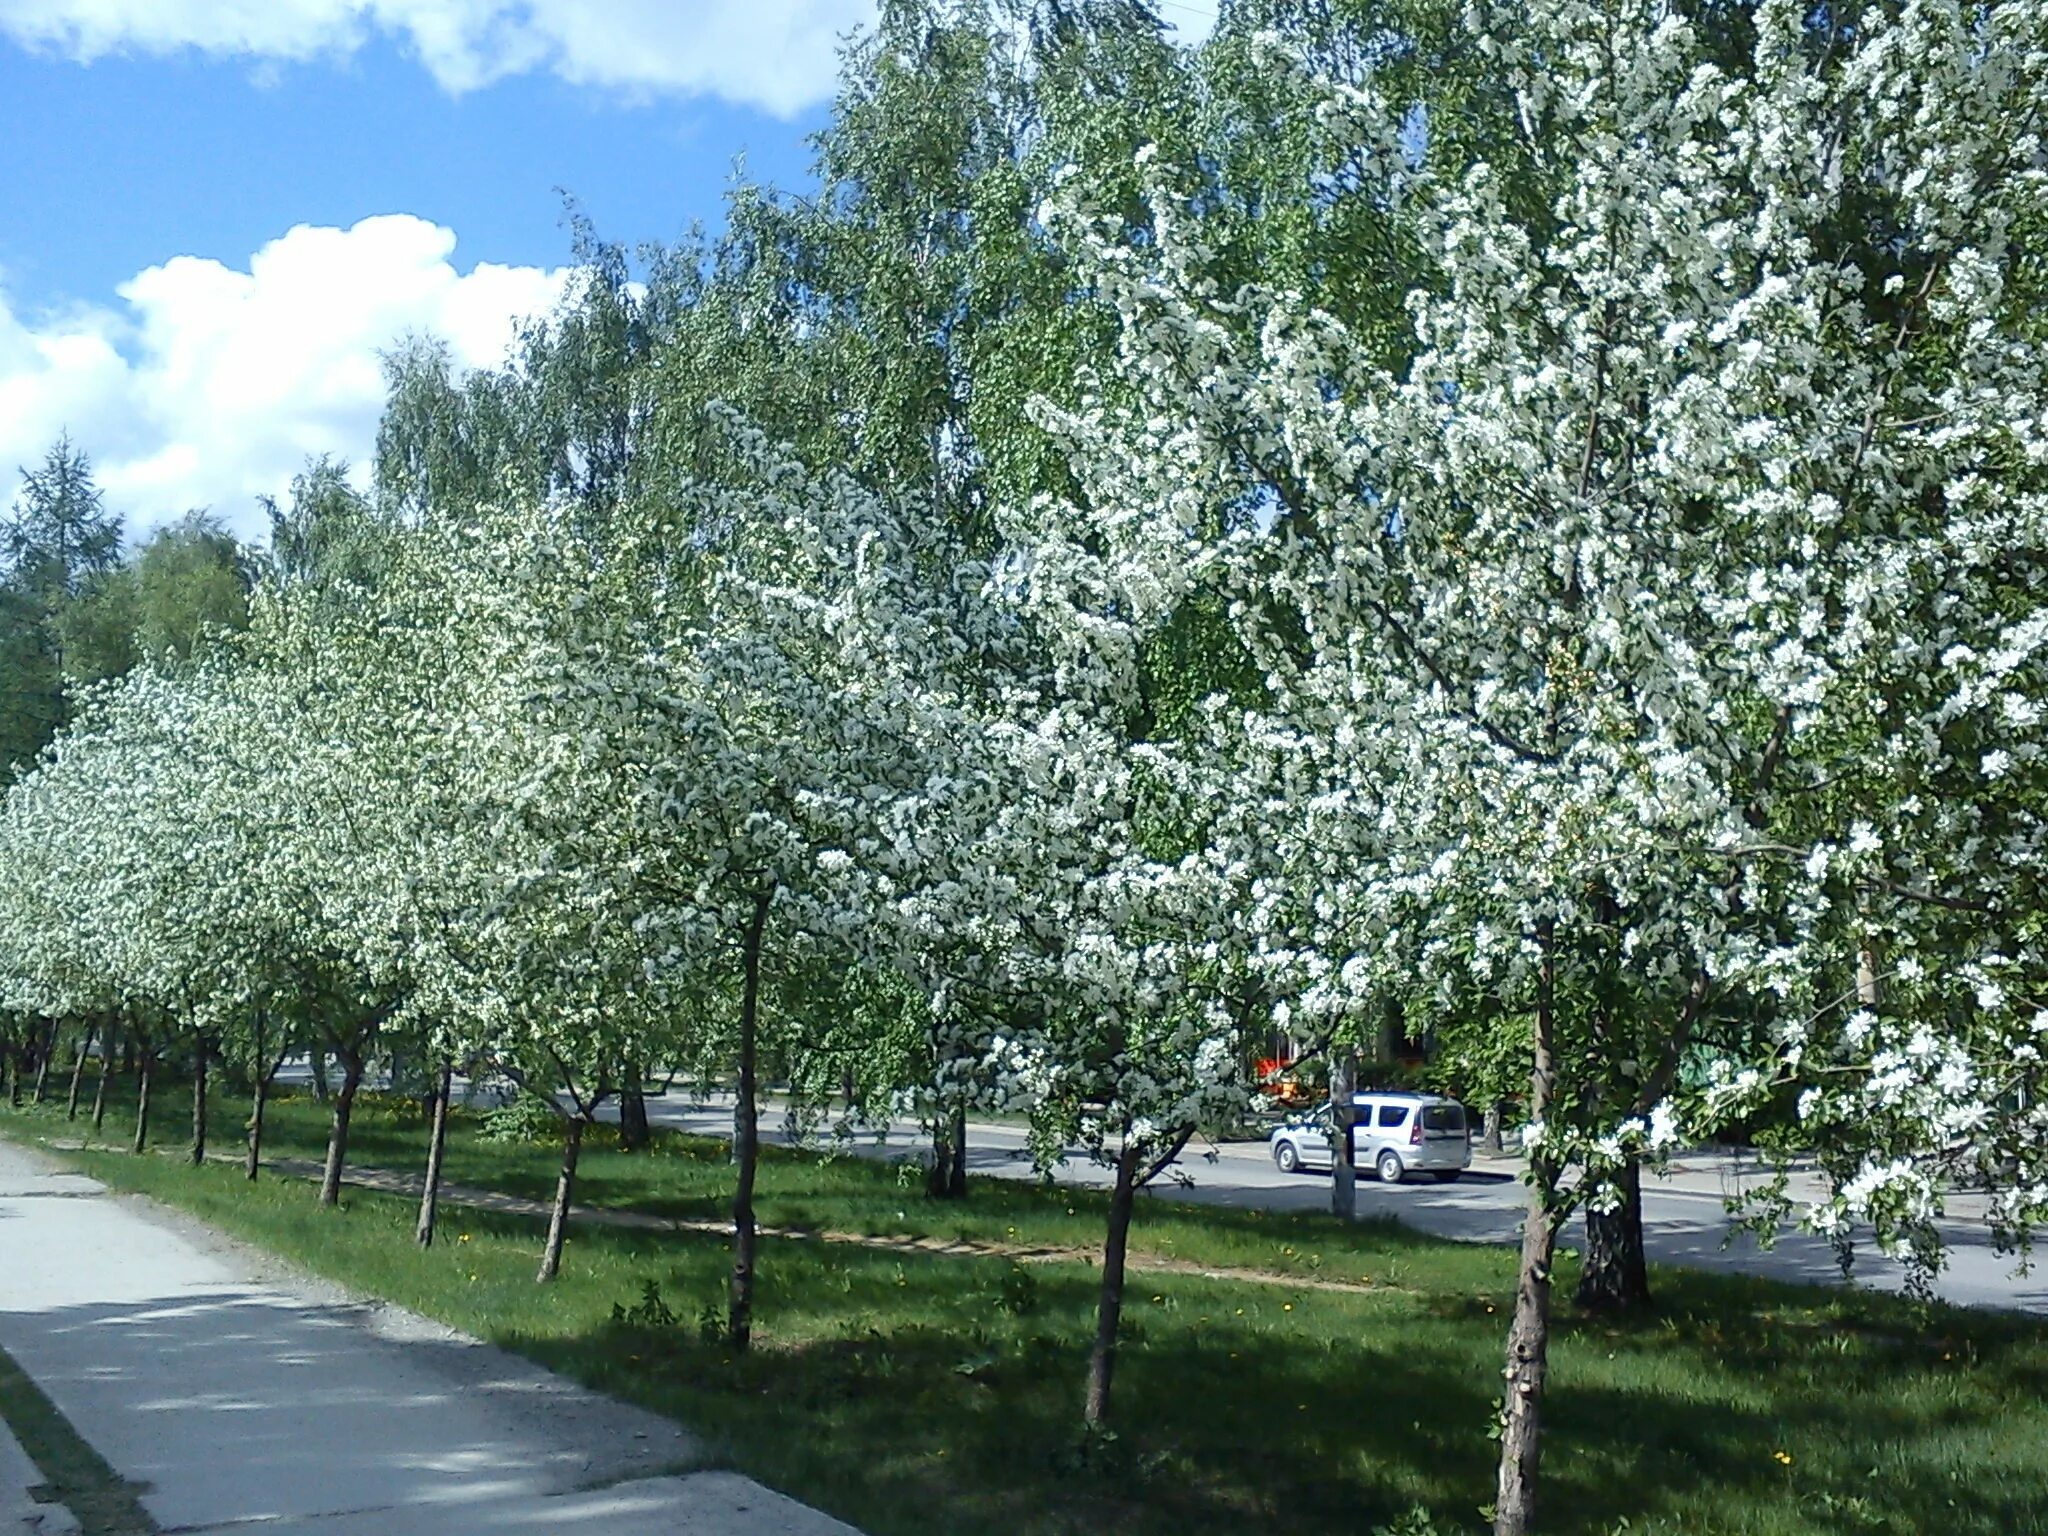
[913, 1394]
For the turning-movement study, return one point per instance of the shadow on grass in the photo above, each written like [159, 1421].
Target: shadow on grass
[908, 1393]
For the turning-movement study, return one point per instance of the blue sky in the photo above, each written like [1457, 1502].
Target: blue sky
[122, 162]
[215, 215]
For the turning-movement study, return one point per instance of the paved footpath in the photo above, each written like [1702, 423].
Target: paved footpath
[176, 1382]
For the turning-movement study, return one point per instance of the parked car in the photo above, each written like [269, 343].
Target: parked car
[1392, 1134]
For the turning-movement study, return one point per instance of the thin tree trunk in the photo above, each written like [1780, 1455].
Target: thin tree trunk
[99, 1094]
[199, 1104]
[956, 1177]
[938, 1180]
[337, 1139]
[634, 1132]
[437, 1142]
[747, 1138]
[565, 1191]
[143, 1074]
[1615, 1276]
[1528, 1352]
[1344, 1159]
[78, 1073]
[1109, 1305]
[259, 1098]
[1490, 1127]
[259, 1101]
[1869, 993]
[317, 1060]
[49, 1049]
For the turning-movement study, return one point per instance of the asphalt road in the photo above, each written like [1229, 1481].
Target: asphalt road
[1685, 1216]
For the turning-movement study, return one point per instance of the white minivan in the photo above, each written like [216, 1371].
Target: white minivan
[1393, 1134]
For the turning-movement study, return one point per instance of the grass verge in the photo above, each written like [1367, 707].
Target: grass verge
[912, 1394]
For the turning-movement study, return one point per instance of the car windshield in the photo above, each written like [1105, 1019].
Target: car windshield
[1443, 1117]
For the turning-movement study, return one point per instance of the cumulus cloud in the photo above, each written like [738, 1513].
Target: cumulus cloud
[208, 386]
[775, 54]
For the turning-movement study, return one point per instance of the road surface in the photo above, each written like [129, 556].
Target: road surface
[1685, 1216]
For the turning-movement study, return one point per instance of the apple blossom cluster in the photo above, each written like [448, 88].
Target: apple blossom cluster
[1659, 644]
[518, 796]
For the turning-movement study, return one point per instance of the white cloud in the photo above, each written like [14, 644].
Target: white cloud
[775, 54]
[209, 386]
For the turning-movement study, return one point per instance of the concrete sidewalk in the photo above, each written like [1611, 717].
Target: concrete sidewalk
[21, 1514]
[217, 1391]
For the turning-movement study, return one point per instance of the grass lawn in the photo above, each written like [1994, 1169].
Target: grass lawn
[913, 1394]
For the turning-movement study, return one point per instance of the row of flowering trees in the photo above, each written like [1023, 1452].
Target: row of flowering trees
[1648, 643]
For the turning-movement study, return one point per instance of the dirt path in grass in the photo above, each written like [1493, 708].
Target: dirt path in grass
[393, 1182]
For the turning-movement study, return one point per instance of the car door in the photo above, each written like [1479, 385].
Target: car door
[1389, 1129]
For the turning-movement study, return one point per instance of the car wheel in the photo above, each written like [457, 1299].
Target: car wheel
[1447, 1176]
[1389, 1167]
[1286, 1158]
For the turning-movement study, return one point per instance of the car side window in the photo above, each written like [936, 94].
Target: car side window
[1392, 1114]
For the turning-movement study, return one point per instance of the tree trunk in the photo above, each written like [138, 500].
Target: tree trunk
[1528, 1352]
[337, 1139]
[747, 1138]
[1343, 1148]
[1615, 1277]
[1869, 992]
[78, 1073]
[437, 1142]
[936, 1177]
[259, 1100]
[634, 1132]
[99, 1093]
[956, 1177]
[199, 1105]
[565, 1190]
[318, 1062]
[49, 1049]
[1109, 1305]
[143, 1074]
[1521, 1441]
[1490, 1128]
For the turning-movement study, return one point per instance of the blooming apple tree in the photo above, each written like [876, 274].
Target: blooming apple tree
[1571, 623]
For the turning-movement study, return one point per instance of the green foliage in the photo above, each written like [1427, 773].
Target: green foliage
[650, 1311]
[57, 546]
[1019, 1293]
[1417, 1522]
[525, 1119]
[191, 579]
[326, 534]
